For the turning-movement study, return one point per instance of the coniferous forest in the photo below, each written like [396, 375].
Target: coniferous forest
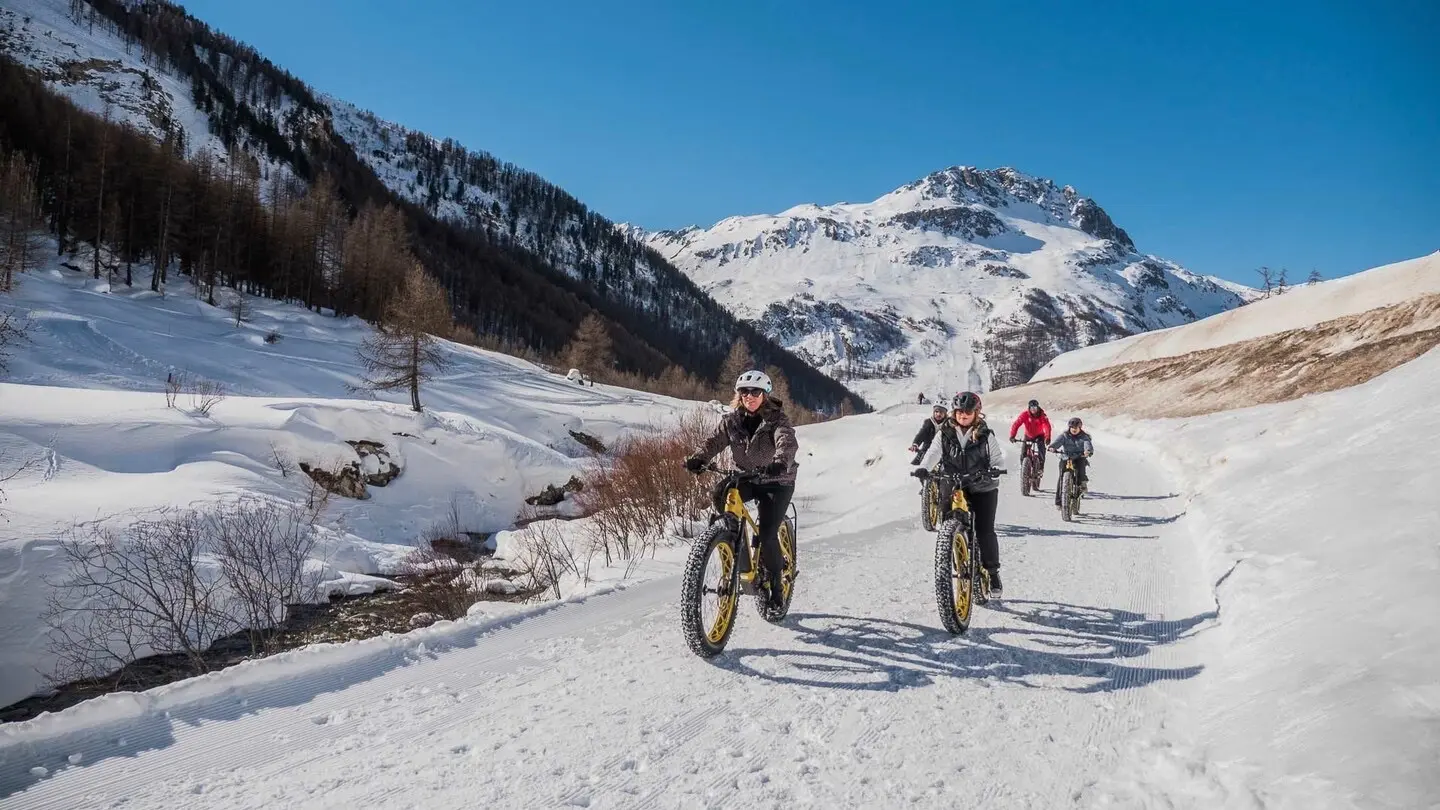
[290, 211]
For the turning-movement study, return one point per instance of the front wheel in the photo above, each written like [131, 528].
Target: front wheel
[1067, 481]
[710, 592]
[790, 550]
[1027, 472]
[954, 576]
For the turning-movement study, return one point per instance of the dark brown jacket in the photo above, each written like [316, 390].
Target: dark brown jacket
[773, 440]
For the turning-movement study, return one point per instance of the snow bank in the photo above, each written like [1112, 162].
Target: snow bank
[84, 402]
[1301, 306]
[1323, 537]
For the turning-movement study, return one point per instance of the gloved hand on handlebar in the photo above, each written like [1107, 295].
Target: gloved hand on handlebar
[921, 473]
[775, 468]
[695, 464]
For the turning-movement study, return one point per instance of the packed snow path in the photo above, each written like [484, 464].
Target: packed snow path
[858, 699]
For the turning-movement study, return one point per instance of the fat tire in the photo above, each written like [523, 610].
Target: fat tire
[692, 587]
[1066, 478]
[944, 593]
[778, 614]
[1026, 471]
[929, 504]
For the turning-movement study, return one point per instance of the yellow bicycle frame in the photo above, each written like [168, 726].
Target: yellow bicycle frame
[958, 502]
[735, 506]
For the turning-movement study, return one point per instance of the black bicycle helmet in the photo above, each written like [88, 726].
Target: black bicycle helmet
[967, 401]
[1034, 403]
[1075, 422]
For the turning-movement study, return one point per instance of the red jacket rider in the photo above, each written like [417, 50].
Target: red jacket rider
[1035, 422]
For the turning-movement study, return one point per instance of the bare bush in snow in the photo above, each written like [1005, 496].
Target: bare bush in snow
[174, 384]
[176, 580]
[641, 492]
[546, 554]
[263, 547]
[128, 593]
[205, 395]
[440, 584]
[14, 329]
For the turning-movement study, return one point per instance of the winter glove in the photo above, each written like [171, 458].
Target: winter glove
[775, 468]
[914, 448]
[921, 473]
[1014, 440]
[695, 464]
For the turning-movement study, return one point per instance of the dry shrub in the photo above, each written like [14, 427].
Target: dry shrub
[14, 329]
[442, 574]
[174, 384]
[205, 395]
[545, 554]
[440, 584]
[176, 580]
[262, 549]
[131, 593]
[641, 492]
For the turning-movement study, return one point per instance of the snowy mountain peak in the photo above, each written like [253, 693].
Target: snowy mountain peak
[965, 278]
[1018, 193]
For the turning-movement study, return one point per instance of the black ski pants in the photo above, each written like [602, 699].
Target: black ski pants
[771, 502]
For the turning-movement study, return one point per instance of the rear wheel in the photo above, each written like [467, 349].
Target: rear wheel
[955, 576]
[929, 505]
[790, 550]
[710, 592]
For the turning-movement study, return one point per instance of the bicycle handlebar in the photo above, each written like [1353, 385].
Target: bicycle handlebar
[968, 478]
[743, 475]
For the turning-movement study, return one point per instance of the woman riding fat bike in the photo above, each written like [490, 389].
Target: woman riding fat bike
[1073, 445]
[968, 447]
[761, 439]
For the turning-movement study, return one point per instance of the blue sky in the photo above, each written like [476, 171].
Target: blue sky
[1223, 135]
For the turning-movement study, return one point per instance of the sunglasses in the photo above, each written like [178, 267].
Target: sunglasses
[751, 392]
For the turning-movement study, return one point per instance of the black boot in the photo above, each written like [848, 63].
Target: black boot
[777, 595]
[995, 586]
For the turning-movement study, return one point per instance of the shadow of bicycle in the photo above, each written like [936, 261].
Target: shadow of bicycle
[1127, 521]
[1071, 648]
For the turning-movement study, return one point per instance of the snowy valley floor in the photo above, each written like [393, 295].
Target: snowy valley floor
[1246, 616]
[860, 699]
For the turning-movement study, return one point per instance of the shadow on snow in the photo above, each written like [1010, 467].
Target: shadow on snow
[1071, 648]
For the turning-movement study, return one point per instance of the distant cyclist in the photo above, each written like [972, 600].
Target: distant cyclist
[1037, 429]
[1074, 445]
[921, 443]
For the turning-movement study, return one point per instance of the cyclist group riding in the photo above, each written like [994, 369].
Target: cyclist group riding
[960, 495]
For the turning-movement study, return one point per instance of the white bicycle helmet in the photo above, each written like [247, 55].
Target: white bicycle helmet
[754, 379]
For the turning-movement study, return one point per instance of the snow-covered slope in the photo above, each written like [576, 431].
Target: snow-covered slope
[84, 402]
[966, 278]
[496, 232]
[87, 60]
[1320, 536]
[1298, 307]
[1212, 632]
